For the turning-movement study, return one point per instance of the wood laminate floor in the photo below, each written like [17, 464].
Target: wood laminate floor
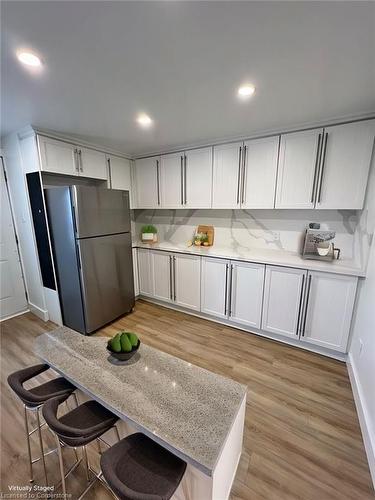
[302, 437]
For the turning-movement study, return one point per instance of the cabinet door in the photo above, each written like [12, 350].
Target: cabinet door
[135, 272]
[226, 176]
[187, 281]
[92, 164]
[146, 176]
[198, 178]
[282, 299]
[260, 169]
[246, 293]
[214, 286]
[298, 164]
[171, 175]
[145, 272]
[345, 165]
[162, 275]
[330, 301]
[57, 156]
[120, 175]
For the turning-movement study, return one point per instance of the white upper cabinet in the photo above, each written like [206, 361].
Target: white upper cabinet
[329, 307]
[171, 180]
[227, 175]
[146, 175]
[57, 156]
[197, 181]
[246, 293]
[120, 175]
[259, 173]
[345, 165]
[214, 286]
[187, 281]
[298, 168]
[92, 163]
[283, 288]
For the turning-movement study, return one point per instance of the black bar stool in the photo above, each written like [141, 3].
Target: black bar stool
[33, 400]
[77, 428]
[138, 468]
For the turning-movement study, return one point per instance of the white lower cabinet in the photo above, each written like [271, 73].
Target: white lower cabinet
[246, 293]
[313, 308]
[283, 287]
[214, 286]
[329, 302]
[187, 281]
[145, 272]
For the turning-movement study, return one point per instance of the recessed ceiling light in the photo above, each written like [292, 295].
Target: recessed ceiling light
[246, 91]
[29, 59]
[144, 120]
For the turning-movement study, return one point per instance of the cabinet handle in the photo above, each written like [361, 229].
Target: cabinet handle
[226, 289]
[109, 172]
[80, 160]
[170, 278]
[230, 289]
[306, 306]
[76, 160]
[157, 181]
[243, 173]
[182, 180]
[239, 175]
[300, 305]
[317, 159]
[174, 278]
[185, 168]
[322, 167]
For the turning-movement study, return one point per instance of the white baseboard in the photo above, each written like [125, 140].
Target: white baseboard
[41, 313]
[14, 315]
[363, 416]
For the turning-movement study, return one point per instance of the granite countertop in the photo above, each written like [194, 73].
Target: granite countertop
[263, 256]
[185, 408]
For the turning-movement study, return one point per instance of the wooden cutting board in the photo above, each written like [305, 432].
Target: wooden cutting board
[210, 231]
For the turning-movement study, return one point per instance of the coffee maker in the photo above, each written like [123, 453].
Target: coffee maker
[319, 244]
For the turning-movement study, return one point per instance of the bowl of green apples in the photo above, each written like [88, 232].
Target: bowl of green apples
[123, 345]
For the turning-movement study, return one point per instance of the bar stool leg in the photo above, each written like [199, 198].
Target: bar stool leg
[61, 464]
[41, 445]
[28, 444]
[86, 462]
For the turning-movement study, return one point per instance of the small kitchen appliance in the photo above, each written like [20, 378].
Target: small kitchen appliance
[318, 244]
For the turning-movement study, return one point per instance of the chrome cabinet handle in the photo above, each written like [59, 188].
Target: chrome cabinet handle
[174, 278]
[185, 167]
[80, 160]
[76, 160]
[239, 175]
[182, 180]
[226, 289]
[322, 167]
[306, 306]
[244, 166]
[170, 278]
[158, 181]
[317, 160]
[300, 306]
[230, 289]
[109, 172]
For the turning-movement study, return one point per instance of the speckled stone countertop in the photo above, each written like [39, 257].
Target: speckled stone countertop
[185, 408]
[262, 256]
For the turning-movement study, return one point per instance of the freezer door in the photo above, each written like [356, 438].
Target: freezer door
[106, 269]
[100, 211]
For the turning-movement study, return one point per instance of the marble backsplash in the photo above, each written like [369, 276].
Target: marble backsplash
[269, 229]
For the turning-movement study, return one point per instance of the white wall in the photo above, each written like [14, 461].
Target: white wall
[361, 363]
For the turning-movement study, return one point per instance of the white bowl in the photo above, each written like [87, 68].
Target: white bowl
[323, 251]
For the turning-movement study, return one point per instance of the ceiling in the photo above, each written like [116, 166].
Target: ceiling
[182, 62]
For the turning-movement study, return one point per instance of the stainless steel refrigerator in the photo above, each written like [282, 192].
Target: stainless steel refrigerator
[90, 232]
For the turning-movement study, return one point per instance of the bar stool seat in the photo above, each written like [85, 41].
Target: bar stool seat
[33, 400]
[138, 468]
[36, 396]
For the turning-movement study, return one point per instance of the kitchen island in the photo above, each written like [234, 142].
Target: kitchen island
[194, 413]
